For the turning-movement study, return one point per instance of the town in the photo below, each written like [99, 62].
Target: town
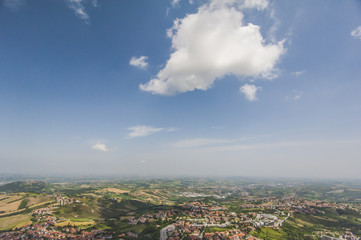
[132, 210]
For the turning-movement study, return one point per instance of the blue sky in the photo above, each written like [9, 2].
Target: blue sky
[217, 87]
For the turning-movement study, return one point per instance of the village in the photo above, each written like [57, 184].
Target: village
[214, 215]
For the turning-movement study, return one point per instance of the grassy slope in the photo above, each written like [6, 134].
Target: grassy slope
[8, 223]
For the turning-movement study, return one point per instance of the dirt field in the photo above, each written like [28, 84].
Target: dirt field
[114, 190]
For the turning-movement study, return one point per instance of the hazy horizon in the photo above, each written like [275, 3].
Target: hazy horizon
[255, 88]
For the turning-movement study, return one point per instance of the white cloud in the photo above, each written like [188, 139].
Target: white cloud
[213, 43]
[101, 147]
[197, 142]
[140, 62]
[250, 91]
[356, 33]
[141, 131]
[14, 4]
[79, 9]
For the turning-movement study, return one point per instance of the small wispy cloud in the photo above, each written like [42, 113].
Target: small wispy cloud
[143, 130]
[213, 142]
[281, 144]
[250, 91]
[356, 33]
[79, 9]
[14, 4]
[139, 62]
[296, 95]
[102, 147]
[243, 147]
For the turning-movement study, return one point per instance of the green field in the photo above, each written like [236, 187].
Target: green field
[12, 222]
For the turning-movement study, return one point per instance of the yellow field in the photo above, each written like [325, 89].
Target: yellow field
[5, 199]
[114, 190]
[9, 203]
[76, 224]
[12, 222]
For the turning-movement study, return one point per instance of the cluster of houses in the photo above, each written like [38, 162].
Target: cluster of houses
[235, 234]
[290, 203]
[46, 230]
[163, 215]
[62, 200]
[196, 217]
[193, 218]
[345, 236]
[197, 195]
[46, 227]
[293, 205]
[185, 230]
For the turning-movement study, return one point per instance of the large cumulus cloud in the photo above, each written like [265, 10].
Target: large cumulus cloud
[212, 43]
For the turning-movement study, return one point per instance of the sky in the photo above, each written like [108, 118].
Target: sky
[253, 88]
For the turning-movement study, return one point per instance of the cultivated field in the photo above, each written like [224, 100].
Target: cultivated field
[9, 203]
[39, 200]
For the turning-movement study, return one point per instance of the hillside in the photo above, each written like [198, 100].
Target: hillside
[24, 186]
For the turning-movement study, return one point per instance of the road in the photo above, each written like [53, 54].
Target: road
[164, 231]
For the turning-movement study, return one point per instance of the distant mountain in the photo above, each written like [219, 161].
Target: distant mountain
[24, 186]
